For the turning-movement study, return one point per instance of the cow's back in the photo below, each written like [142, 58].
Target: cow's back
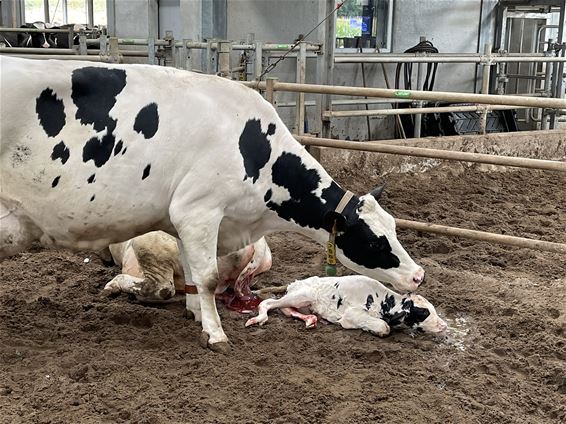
[94, 153]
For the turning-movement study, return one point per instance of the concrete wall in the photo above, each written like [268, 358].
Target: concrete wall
[452, 26]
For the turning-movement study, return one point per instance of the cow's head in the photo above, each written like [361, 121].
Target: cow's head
[420, 314]
[366, 242]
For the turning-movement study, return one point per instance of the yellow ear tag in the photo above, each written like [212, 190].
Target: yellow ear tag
[330, 267]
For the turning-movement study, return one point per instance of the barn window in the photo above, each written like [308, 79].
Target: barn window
[364, 24]
[91, 12]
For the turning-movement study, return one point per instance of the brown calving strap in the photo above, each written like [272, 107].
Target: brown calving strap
[344, 201]
[190, 289]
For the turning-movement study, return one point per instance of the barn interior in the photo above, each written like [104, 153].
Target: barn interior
[458, 106]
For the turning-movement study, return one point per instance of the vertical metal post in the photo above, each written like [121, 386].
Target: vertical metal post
[258, 60]
[270, 95]
[185, 55]
[115, 55]
[90, 12]
[82, 44]
[328, 67]
[103, 44]
[210, 68]
[46, 10]
[558, 75]
[547, 85]
[111, 15]
[485, 85]
[71, 37]
[420, 75]
[301, 79]
[224, 49]
[151, 51]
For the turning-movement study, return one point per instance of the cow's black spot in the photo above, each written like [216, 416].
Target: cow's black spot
[363, 247]
[339, 303]
[124, 151]
[118, 147]
[146, 171]
[415, 315]
[55, 181]
[92, 198]
[255, 148]
[91, 178]
[268, 195]
[336, 285]
[60, 151]
[369, 301]
[94, 92]
[333, 297]
[51, 112]
[304, 207]
[147, 121]
[357, 241]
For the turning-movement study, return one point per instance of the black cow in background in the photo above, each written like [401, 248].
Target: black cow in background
[46, 40]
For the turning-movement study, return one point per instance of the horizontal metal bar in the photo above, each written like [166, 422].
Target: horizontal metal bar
[381, 147]
[91, 58]
[38, 50]
[416, 110]
[546, 246]
[266, 46]
[349, 102]
[414, 95]
[446, 59]
[54, 30]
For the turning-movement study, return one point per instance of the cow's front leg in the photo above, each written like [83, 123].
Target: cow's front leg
[360, 319]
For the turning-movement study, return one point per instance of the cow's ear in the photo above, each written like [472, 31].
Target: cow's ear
[376, 193]
[330, 218]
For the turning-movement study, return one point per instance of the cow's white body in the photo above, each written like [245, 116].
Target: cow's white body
[354, 302]
[189, 174]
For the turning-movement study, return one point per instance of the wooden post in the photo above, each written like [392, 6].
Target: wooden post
[269, 90]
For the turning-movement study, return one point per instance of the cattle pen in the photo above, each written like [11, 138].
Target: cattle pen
[456, 108]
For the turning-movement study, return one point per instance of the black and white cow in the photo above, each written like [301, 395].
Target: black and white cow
[94, 154]
[354, 302]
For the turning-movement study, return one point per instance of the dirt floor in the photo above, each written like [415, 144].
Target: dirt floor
[69, 354]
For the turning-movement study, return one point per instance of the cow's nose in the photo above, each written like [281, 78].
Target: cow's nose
[419, 277]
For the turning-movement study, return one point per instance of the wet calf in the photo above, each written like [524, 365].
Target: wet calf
[356, 302]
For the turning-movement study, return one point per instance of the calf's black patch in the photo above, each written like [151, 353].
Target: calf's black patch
[55, 181]
[92, 198]
[255, 147]
[146, 171]
[415, 314]
[339, 303]
[90, 179]
[51, 112]
[369, 301]
[60, 151]
[94, 92]
[147, 121]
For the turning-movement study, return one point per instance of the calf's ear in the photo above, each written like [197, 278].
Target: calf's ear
[330, 218]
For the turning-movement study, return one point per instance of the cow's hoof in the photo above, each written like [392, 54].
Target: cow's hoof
[220, 347]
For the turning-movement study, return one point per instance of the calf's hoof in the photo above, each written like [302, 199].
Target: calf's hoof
[220, 347]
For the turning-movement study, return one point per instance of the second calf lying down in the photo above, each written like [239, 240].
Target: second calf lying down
[355, 302]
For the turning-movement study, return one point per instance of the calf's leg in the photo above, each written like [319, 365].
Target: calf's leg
[360, 319]
[310, 320]
[296, 299]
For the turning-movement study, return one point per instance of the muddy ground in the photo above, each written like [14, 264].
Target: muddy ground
[69, 354]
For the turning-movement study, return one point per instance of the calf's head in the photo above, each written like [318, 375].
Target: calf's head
[420, 314]
[366, 242]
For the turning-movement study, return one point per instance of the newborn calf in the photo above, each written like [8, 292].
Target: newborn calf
[353, 302]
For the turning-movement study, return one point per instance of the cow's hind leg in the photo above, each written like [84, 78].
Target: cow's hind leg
[17, 232]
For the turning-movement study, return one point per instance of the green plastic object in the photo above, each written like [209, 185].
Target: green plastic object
[330, 270]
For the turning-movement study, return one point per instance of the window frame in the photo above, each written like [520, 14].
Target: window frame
[388, 20]
[64, 7]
